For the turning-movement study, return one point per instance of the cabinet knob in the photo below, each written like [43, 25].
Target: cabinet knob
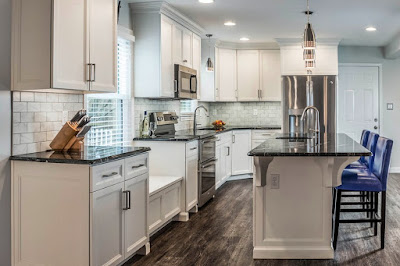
[185, 61]
[375, 127]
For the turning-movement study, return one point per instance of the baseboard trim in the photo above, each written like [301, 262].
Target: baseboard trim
[293, 253]
[240, 177]
[394, 170]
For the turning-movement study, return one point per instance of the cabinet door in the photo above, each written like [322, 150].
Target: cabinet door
[187, 59]
[270, 75]
[241, 145]
[107, 226]
[70, 44]
[191, 181]
[177, 36]
[136, 229]
[228, 165]
[226, 88]
[218, 166]
[196, 54]
[248, 75]
[103, 44]
[167, 61]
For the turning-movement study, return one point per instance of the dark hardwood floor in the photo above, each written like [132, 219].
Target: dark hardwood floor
[221, 234]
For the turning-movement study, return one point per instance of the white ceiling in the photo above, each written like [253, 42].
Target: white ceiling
[265, 20]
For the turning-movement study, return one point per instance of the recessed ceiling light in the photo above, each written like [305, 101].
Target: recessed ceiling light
[229, 23]
[206, 1]
[244, 39]
[370, 29]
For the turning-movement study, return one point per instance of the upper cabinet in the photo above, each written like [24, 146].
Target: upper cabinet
[270, 75]
[164, 37]
[196, 46]
[326, 59]
[248, 72]
[75, 51]
[225, 71]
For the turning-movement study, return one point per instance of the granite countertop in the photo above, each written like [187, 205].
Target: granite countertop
[188, 135]
[331, 145]
[90, 155]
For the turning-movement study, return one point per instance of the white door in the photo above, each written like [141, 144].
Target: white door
[136, 229]
[241, 145]
[70, 44]
[270, 71]
[107, 226]
[218, 166]
[196, 54]
[358, 100]
[226, 72]
[187, 48]
[167, 60]
[103, 44]
[177, 34]
[228, 165]
[248, 75]
[191, 181]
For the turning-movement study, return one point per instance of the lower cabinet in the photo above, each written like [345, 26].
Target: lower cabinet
[192, 180]
[223, 153]
[241, 145]
[119, 220]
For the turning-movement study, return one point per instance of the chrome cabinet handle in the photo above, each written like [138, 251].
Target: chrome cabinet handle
[233, 138]
[185, 61]
[137, 166]
[91, 72]
[94, 72]
[229, 151]
[175, 85]
[127, 200]
[112, 174]
[194, 148]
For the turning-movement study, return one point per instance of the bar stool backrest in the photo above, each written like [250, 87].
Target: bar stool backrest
[364, 141]
[380, 166]
[371, 145]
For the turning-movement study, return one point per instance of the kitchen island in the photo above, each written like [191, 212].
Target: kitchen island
[292, 186]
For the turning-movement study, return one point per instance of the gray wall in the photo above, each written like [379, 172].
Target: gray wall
[5, 133]
[390, 90]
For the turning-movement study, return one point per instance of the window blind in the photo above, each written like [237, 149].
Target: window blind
[111, 113]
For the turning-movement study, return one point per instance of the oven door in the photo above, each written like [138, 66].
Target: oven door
[207, 149]
[207, 172]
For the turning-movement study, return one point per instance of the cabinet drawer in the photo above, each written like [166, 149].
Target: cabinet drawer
[136, 165]
[192, 148]
[105, 175]
[224, 138]
[263, 134]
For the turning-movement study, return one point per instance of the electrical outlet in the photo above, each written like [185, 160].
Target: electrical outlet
[255, 112]
[64, 117]
[215, 111]
[275, 181]
[389, 106]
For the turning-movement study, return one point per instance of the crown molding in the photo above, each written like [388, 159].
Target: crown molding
[247, 46]
[297, 41]
[162, 7]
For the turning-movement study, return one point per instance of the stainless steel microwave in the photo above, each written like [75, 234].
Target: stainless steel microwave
[185, 82]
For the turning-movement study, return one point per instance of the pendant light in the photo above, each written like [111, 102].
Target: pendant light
[309, 41]
[210, 65]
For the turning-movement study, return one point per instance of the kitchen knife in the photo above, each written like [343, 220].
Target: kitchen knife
[84, 121]
[78, 116]
[83, 131]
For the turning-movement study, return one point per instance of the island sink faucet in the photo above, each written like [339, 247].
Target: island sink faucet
[316, 131]
[194, 117]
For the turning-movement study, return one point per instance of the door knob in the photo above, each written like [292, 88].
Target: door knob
[375, 127]
[376, 119]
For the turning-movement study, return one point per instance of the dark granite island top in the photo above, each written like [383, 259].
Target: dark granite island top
[331, 145]
[90, 155]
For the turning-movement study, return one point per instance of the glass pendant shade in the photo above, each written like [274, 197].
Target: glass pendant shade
[309, 41]
[309, 55]
[210, 66]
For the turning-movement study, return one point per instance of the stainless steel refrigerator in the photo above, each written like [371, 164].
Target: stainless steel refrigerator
[298, 92]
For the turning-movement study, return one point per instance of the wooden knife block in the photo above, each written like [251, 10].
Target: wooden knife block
[66, 139]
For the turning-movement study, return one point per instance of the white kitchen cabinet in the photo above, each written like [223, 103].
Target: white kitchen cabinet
[270, 75]
[196, 46]
[108, 225]
[223, 153]
[74, 47]
[102, 209]
[160, 42]
[248, 75]
[226, 83]
[241, 145]
[192, 179]
[292, 62]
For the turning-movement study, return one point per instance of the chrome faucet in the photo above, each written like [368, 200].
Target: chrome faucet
[195, 120]
[316, 130]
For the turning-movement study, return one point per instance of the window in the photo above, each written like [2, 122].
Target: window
[111, 113]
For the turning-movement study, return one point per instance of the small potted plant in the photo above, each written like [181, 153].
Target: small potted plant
[218, 124]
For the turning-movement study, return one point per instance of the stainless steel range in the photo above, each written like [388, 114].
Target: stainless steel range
[163, 124]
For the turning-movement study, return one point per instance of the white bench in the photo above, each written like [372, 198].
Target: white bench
[164, 200]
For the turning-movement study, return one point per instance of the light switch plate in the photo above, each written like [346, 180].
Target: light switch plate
[255, 112]
[275, 181]
[389, 106]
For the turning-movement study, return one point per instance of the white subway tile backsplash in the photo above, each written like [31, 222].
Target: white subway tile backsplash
[37, 118]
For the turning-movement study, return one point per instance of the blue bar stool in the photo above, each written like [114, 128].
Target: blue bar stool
[369, 142]
[372, 179]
